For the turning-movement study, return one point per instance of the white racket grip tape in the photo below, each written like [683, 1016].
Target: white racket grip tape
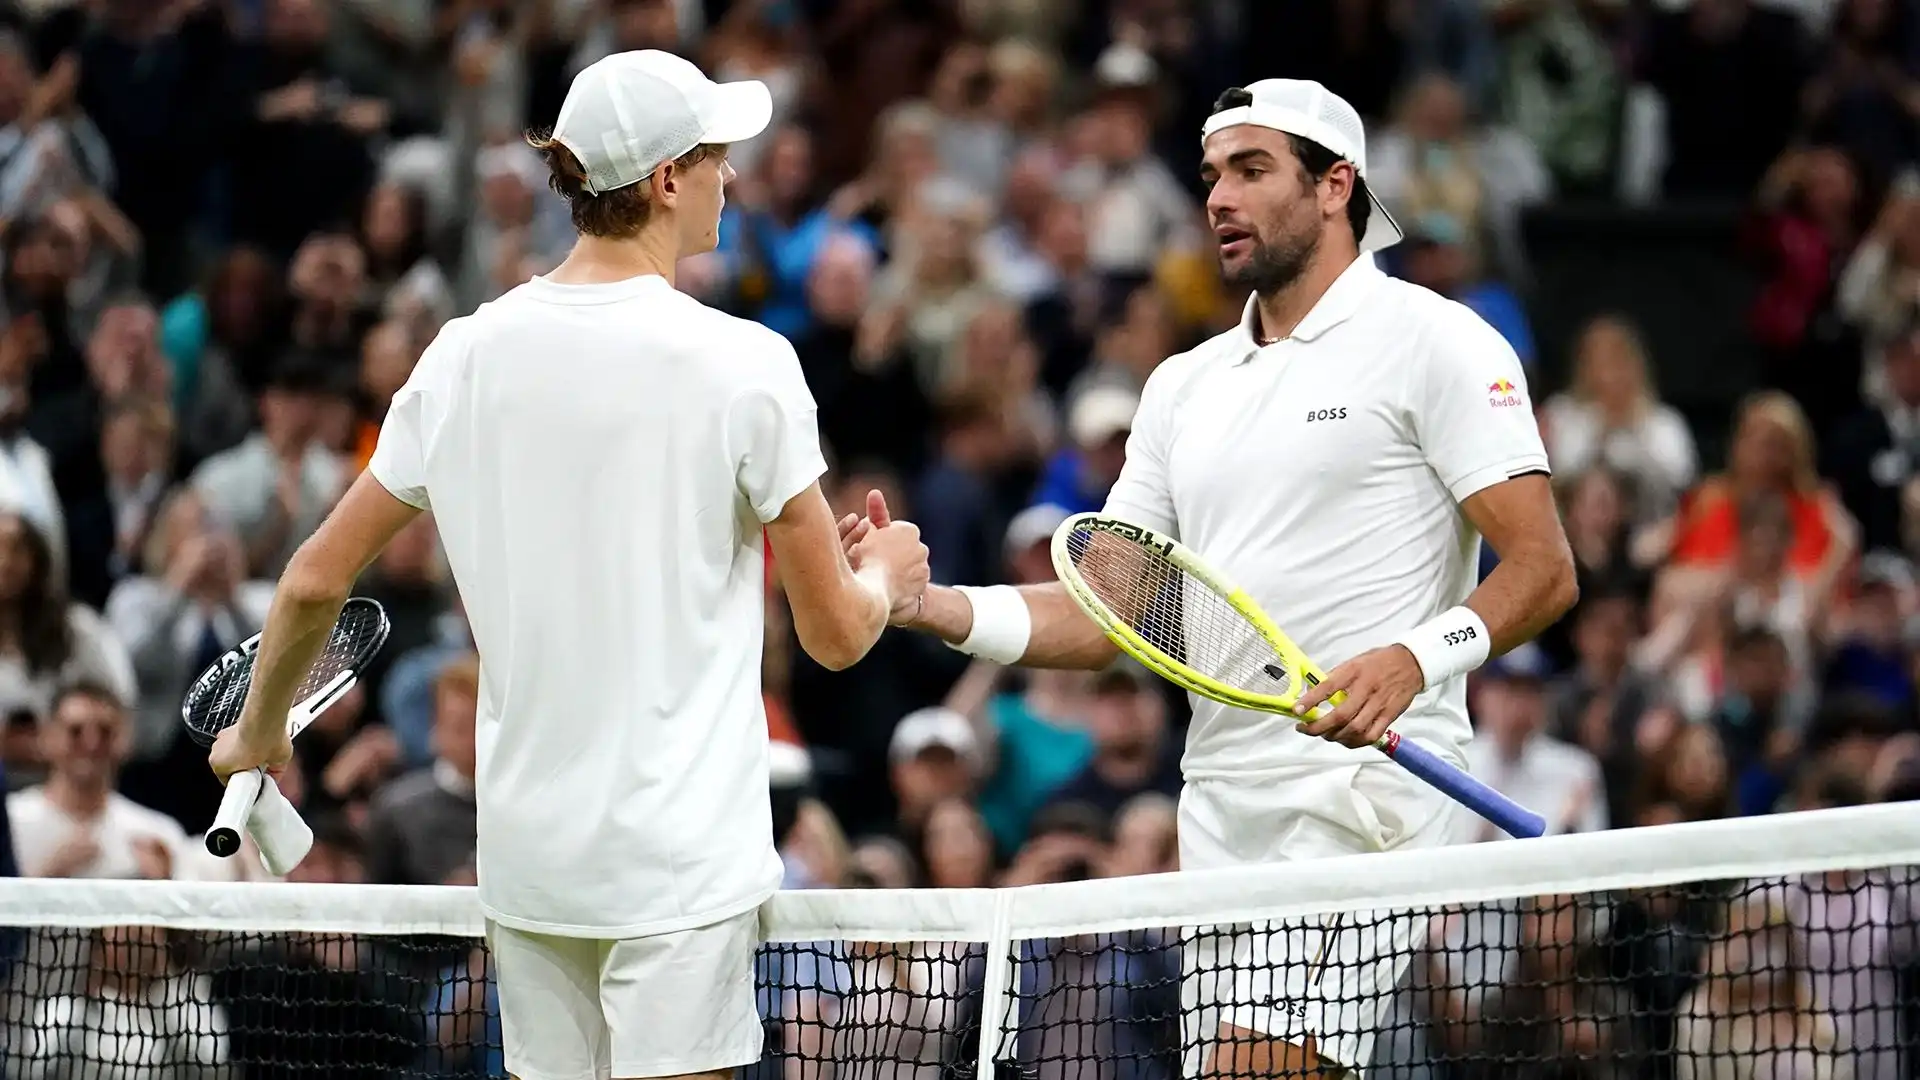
[236, 807]
[278, 831]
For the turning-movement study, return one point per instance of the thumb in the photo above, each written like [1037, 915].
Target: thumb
[877, 509]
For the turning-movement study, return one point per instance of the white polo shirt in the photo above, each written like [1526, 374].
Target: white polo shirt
[600, 461]
[1323, 475]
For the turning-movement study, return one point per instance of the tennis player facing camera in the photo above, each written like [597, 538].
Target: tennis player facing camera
[602, 455]
[1339, 455]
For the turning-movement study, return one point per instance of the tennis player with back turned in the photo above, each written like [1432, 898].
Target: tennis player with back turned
[1339, 455]
[601, 454]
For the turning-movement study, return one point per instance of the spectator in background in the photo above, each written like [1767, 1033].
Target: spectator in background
[1875, 453]
[1030, 742]
[387, 356]
[1684, 777]
[1869, 654]
[1431, 160]
[404, 280]
[1752, 1012]
[1144, 837]
[1513, 753]
[26, 469]
[306, 131]
[768, 248]
[194, 604]
[958, 498]
[1438, 257]
[108, 534]
[1126, 353]
[932, 286]
[870, 408]
[1078, 477]
[1758, 732]
[1772, 453]
[46, 641]
[1878, 291]
[75, 824]
[1806, 219]
[956, 847]
[221, 341]
[1611, 415]
[420, 828]
[275, 487]
[1597, 705]
[935, 756]
[140, 1012]
[1133, 751]
[1136, 209]
[1865, 93]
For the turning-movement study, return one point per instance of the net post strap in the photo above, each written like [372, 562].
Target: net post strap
[1853, 838]
[997, 1022]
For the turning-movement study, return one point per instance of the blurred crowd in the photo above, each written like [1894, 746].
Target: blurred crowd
[228, 228]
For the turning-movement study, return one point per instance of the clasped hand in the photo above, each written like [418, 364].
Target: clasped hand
[878, 540]
[1379, 685]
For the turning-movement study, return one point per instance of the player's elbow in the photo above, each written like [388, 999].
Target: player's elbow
[1562, 588]
[836, 639]
[836, 648]
[309, 583]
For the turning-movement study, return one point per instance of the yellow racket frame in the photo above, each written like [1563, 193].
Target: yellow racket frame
[1301, 670]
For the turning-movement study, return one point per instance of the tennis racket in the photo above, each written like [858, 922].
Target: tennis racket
[213, 704]
[1156, 600]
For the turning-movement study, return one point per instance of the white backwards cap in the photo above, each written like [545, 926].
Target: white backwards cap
[630, 113]
[1311, 111]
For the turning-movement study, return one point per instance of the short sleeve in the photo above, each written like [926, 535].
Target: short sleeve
[774, 435]
[1143, 494]
[1474, 417]
[399, 459]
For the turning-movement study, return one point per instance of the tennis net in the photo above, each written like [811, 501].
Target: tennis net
[1778, 947]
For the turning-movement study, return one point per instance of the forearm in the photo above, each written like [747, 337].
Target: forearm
[1526, 593]
[298, 624]
[1061, 637]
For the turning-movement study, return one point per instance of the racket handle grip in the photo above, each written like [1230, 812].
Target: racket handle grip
[236, 806]
[1513, 819]
[278, 831]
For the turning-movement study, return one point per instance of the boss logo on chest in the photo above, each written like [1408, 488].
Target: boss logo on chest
[1337, 412]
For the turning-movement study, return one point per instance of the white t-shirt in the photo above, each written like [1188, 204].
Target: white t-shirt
[600, 461]
[1323, 474]
[40, 829]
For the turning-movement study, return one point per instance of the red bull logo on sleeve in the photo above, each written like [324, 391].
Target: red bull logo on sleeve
[1501, 394]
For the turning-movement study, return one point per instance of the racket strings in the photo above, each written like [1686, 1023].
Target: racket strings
[216, 705]
[1176, 612]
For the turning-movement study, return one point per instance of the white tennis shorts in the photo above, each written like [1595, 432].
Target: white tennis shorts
[1329, 978]
[666, 1005]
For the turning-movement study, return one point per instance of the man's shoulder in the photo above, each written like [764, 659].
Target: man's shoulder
[27, 803]
[143, 819]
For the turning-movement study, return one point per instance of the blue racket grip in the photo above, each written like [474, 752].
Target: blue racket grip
[1512, 818]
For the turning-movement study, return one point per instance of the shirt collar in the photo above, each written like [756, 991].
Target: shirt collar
[1334, 307]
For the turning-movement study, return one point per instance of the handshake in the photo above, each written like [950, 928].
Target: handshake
[888, 555]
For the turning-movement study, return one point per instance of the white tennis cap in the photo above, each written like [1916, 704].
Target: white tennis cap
[1311, 111]
[630, 113]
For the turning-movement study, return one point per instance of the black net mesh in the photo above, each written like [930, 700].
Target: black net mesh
[1808, 978]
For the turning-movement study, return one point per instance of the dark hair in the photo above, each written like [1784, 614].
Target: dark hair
[1315, 160]
[46, 638]
[614, 215]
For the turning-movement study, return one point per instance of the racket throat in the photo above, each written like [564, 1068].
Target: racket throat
[335, 689]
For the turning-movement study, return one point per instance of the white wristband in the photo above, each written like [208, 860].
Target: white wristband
[1001, 623]
[1448, 645]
